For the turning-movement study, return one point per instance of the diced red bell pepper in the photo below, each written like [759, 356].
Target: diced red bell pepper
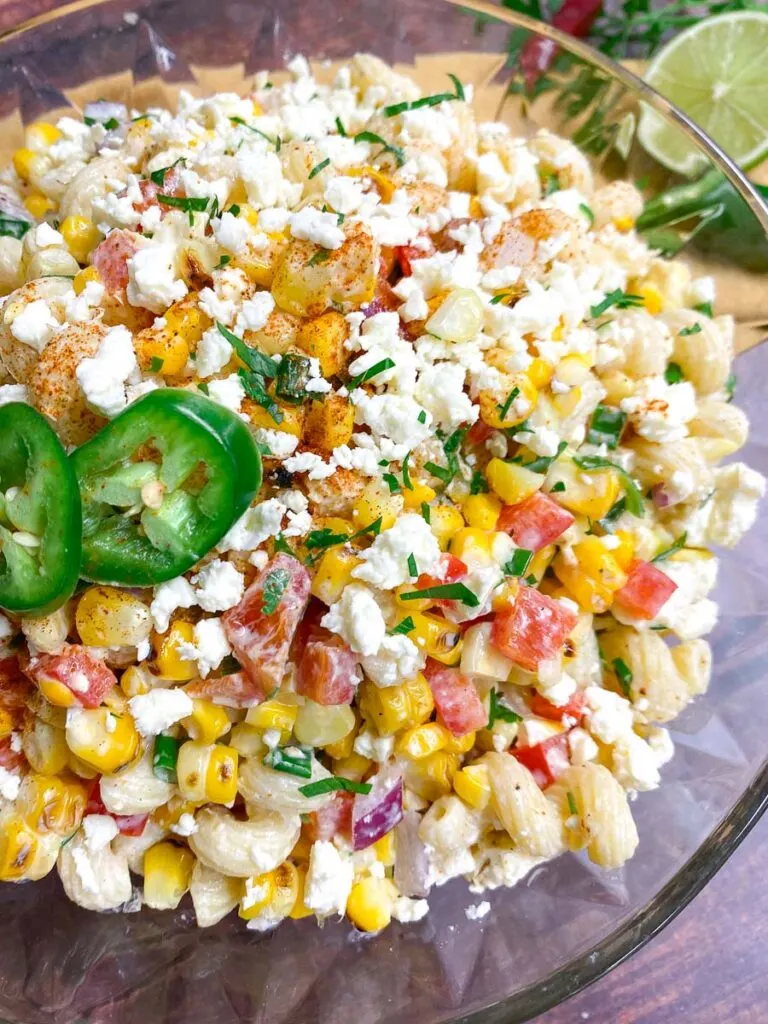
[237, 690]
[86, 676]
[646, 591]
[533, 629]
[127, 824]
[172, 186]
[546, 761]
[261, 639]
[10, 759]
[535, 522]
[544, 708]
[328, 671]
[111, 256]
[479, 432]
[333, 819]
[407, 253]
[458, 703]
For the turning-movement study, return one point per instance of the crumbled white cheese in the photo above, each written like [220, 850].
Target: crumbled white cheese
[329, 880]
[397, 660]
[219, 586]
[209, 647]
[407, 910]
[103, 377]
[159, 709]
[152, 278]
[659, 411]
[35, 325]
[376, 748]
[9, 784]
[314, 226]
[280, 443]
[13, 393]
[185, 826]
[257, 523]
[385, 562]
[357, 618]
[228, 391]
[100, 830]
[609, 716]
[213, 354]
[177, 593]
[255, 312]
[477, 911]
[582, 747]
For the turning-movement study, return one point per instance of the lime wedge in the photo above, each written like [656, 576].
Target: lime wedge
[716, 73]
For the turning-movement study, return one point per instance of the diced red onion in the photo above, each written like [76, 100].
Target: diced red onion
[376, 813]
[411, 863]
[661, 496]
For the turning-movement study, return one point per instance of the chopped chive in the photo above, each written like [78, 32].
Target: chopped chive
[558, 487]
[519, 562]
[587, 212]
[618, 298]
[616, 511]
[427, 101]
[504, 409]
[413, 569]
[164, 758]
[445, 592]
[156, 364]
[223, 262]
[372, 371]
[326, 538]
[686, 331]
[422, 417]
[705, 308]
[189, 204]
[572, 802]
[632, 495]
[478, 483]
[396, 151]
[334, 784]
[407, 482]
[730, 386]
[298, 762]
[624, 676]
[677, 545]
[340, 128]
[319, 167]
[498, 710]
[673, 373]
[392, 482]
[276, 141]
[404, 626]
[426, 512]
[500, 298]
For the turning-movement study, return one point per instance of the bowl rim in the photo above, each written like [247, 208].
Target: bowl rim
[713, 852]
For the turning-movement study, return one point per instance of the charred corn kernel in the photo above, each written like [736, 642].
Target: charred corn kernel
[168, 660]
[595, 577]
[300, 908]
[353, 767]
[161, 351]
[625, 552]
[343, 747]
[167, 872]
[108, 617]
[56, 693]
[384, 185]
[471, 784]
[19, 851]
[511, 482]
[391, 708]
[274, 893]
[458, 744]
[39, 204]
[274, 714]
[369, 906]
[432, 777]
[6, 723]
[83, 277]
[481, 511]
[102, 739]
[587, 494]
[472, 545]
[135, 680]
[27, 162]
[445, 521]
[260, 891]
[329, 423]
[81, 235]
[376, 502]
[320, 724]
[421, 741]
[418, 494]
[541, 561]
[291, 423]
[41, 136]
[247, 740]
[208, 721]
[334, 572]
[625, 223]
[207, 771]
[187, 319]
[323, 338]
[505, 595]
[652, 298]
[498, 409]
[45, 747]
[384, 849]
[437, 637]
[540, 373]
[170, 813]
[51, 804]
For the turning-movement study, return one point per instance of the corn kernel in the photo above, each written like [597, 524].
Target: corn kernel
[323, 338]
[259, 892]
[329, 423]
[445, 521]
[342, 748]
[513, 483]
[432, 776]
[458, 744]
[541, 561]
[101, 739]
[109, 617]
[421, 741]
[291, 423]
[384, 849]
[625, 223]
[170, 663]
[161, 351]
[391, 708]
[6, 723]
[369, 906]
[652, 298]
[418, 494]
[504, 595]
[83, 277]
[594, 579]
[45, 747]
[250, 213]
[26, 163]
[567, 403]
[21, 855]
[334, 572]
[384, 185]
[587, 494]
[353, 767]
[376, 502]
[51, 804]
[618, 385]
[167, 873]
[208, 721]
[81, 235]
[247, 740]
[482, 511]
[135, 680]
[39, 204]
[274, 714]
[300, 908]
[207, 772]
[169, 814]
[41, 135]
[437, 637]
[497, 411]
[472, 546]
[540, 373]
[318, 725]
[472, 786]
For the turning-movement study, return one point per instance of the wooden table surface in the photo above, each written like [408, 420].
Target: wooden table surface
[710, 966]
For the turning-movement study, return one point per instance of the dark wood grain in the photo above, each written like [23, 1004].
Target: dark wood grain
[710, 966]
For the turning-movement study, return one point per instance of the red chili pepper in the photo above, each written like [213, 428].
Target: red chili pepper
[574, 17]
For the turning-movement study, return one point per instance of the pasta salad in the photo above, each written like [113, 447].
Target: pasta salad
[360, 469]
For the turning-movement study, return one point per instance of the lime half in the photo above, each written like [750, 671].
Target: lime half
[716, 73]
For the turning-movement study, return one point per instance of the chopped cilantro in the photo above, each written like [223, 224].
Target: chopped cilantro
[156, 364]
[624, 676]
[372, 371]
[499, 712]
[618, 298]
[275, 585]
[396, 151]
[606, 426]
[632, 495]
[426, 512]
[687, 331]
[445, 592]
[519, 562]
[558, 487]
[334, 784]
[673, 373]
[677, 545]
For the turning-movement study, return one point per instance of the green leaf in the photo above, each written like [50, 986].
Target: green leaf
[615, 512]
[392, 482]
[504, 409]
[156, 364]
[445, 592]
[587, 212]
[276, 141]
[253, 359]
[298, 762]
[677, 545]
[319, 167]
[413, 568]
[426, 512]
[478, 483]
[606, 426]
[396, 151]
[632, 494]
[618, 298]
[12, 228]
[624, 676]
[705, 308]
[321, 256]
[254, 388]
[518, 563]
[499, 712]
[558, 488]
[334, 784]
[407, 482]
[164, 758]
[687, 331]
[427, 101]
[543, 462]
[372, 371]
[275, 585]
[571, 802]
[189, 204]
[403, 627]
[158, 177]
[673, 373]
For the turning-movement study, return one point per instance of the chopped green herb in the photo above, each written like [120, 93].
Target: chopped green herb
[558, 487]
[156, 364]
[616, 511]
[321, 256]
[518, 563]
[542, 464]
[478, 484]
[413, 569]
[275, 586]
[202, 386]
[632, 495]
[281, 544]
[392, 482]
[531, 580]
[687, 331]
[677, 545]
[498, 710]
[158, 177]
[426, 512]
[618, 298]
[427, 101]
[290, 760]
[730, 386]
[587, 212]
[189, 204]
[293, 373]
[332, 785]
[422, 417]
[673, 373]
[403, 627]
[396, 151]
[504, 409]
[551, 184]
[457, 86]
[624, 676]
[705, 308]
[445, 592]
[276, 141]
[407, 482]
[223, 262]
[340, 128]
[500, 298]
[254, 388]
[606, 426]
[234, 209]
[372, 371]
[164, 758]
[339, 219]
[256, 361]
[326, 538]
[13, 228]
[319, 167]
[572, 802]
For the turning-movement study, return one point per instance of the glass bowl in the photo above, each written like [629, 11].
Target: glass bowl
[568, 922]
